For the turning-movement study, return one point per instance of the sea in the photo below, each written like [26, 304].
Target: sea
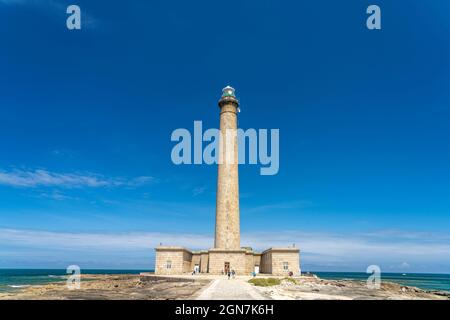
[426, 281]
[16, 279]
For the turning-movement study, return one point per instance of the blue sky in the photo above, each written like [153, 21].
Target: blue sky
[86, 117]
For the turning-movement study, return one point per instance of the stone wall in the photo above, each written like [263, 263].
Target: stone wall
[196, 259]
[249, 263]
[281, 261]
[173, 260]
[187, 261]
[257, 261]
[227, 234]
[266, 262]
[275, 261]
[236, 258]
[204, 262]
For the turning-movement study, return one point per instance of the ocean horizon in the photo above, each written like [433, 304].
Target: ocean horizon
[15, 279]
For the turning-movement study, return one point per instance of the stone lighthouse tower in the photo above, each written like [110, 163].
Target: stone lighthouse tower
[227, 254]
[227, 203]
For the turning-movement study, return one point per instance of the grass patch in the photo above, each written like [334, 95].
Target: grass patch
[290, 280]
[265, 282]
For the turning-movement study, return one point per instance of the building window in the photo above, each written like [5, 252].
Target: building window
[285, 266]
[168, 264]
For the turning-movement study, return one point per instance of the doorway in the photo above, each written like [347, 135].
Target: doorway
[256, 269]
[227, 267]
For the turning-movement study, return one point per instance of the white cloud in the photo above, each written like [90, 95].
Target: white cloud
[404, 265]
[56, 195]
[99, 241]
[318, 250]
[198, 191]
[44, 178]
[139, 181]
[288, 205]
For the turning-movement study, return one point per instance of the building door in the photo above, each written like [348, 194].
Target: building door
[256, 269]
[227, 267]
[196, 268]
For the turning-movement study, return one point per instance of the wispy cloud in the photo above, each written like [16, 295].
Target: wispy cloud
[287, 205]
[100, 241]
[198, 191]
[318, 250]
[44, 178]
[64, 153]
[56, 195]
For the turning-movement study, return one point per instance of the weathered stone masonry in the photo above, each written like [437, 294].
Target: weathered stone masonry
[227, 253]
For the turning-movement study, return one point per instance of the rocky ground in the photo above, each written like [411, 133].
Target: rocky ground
[130, 287]
[311, 288]
[109, 287]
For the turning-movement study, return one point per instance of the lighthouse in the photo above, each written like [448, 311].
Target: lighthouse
[227, 253]
[227, 233]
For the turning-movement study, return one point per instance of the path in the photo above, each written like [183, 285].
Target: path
[233, 289]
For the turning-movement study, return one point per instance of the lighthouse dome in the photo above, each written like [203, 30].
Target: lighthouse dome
[228, 92]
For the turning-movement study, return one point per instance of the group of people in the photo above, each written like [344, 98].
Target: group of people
[230, 274]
